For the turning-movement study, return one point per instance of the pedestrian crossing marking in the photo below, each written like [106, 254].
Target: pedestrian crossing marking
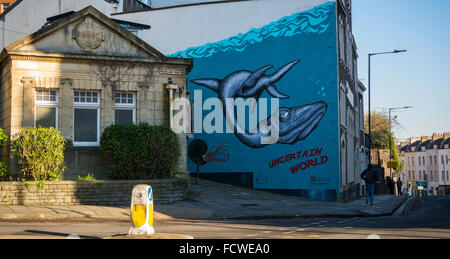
[373, 236]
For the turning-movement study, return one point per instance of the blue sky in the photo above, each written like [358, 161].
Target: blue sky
[419, 77]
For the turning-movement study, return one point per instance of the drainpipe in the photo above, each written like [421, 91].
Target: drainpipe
[171, 88]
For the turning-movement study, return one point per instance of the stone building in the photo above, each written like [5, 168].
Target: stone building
[81, 73]
[351, 107]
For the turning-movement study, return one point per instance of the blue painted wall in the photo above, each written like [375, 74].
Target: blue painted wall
[310, 37]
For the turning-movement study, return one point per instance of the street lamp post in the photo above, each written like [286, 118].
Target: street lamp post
[368, 88]
[390, 134]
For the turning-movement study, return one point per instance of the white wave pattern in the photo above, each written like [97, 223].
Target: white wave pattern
[311, 21]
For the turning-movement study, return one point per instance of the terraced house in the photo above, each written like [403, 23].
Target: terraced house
[427, 164]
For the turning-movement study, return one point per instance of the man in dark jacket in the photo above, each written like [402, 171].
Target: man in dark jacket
[370, 177]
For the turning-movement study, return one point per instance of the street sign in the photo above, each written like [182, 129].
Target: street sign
[392, 164]
[423, 184]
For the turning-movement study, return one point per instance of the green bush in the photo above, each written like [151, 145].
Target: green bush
[4, 176]
[140, 151]
[40, 153]
[3, 172]
[3, 137]
[87, 178]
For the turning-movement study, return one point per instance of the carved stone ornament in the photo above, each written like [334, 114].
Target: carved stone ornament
[88, 34]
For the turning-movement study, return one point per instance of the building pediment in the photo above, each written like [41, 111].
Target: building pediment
[87, 32]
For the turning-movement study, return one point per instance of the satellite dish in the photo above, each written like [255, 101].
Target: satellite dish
[196, 150]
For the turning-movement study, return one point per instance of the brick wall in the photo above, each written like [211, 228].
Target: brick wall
[108, 192]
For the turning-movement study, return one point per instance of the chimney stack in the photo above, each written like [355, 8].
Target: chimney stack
[446, 135]
[424, 138]
[436, 136]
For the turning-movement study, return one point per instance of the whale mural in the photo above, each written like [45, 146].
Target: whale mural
[293, 59]
[294, 123]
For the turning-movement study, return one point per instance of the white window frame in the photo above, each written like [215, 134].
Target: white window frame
[125, 106]
[51, 104]
[86, 105]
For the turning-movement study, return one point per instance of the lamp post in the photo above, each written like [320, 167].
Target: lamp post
[368, 88]
[390, 133]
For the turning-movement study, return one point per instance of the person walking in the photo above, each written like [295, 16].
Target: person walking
[370, 177]
[399, 186]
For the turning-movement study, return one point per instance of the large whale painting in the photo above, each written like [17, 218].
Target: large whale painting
[288, 65]
[295, 123]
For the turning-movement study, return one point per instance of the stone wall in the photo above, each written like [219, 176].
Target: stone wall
[350, 193]
[380, 157]
[108, 192]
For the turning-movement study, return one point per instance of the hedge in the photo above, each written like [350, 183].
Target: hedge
[135, 152]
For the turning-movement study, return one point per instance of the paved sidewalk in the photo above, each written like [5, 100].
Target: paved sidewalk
[210, 200]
